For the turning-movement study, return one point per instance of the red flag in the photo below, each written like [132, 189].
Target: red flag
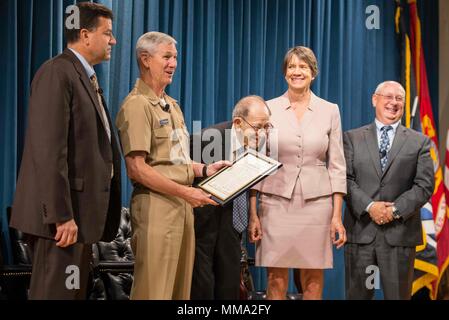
[446, 174]
[443, 253]
[438, 201]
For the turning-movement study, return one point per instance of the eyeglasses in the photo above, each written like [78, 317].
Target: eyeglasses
[267, 127]
[390, 97]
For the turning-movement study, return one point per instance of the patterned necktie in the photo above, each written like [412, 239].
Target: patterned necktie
[240, 213]
[240, 205]
[94, 81]
[384, 146]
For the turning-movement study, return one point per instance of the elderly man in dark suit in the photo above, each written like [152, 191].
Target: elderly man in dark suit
[68, 190]
[218, 230]
[390, 177]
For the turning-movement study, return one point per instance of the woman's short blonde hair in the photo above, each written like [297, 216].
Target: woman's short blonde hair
[305, 54]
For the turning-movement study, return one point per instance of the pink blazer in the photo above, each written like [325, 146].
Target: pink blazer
[311, 150]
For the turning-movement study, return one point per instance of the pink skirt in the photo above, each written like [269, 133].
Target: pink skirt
[295, 233]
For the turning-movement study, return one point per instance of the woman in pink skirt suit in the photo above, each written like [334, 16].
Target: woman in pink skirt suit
[300, 206]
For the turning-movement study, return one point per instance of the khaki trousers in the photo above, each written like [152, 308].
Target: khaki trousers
[163, 242]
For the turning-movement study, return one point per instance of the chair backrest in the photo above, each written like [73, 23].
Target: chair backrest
[118, 249]
[21, 251]
[113, 264]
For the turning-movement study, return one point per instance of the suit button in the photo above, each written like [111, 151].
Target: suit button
[382, 184]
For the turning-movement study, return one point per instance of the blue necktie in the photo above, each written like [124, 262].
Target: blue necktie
[240, 206]
[240, 213]
[384, 146]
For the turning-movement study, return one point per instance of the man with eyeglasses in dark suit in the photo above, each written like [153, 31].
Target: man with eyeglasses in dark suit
[218, 230]
[390, 177]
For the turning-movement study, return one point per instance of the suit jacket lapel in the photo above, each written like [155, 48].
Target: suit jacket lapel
[284, 103]
[399, 140]
[310, 113]
[373, 147]
[86, 83]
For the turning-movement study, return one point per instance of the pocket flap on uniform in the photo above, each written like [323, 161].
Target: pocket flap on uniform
[77, 184]
[162, 132]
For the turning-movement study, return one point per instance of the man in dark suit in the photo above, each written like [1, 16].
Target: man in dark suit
[390, 177]
[68, 190]
[216, 271]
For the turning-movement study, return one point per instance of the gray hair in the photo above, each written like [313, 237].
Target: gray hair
[381, 86]
[150, 40]
[243, 106]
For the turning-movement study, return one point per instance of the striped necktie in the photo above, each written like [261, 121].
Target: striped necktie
[94, 81]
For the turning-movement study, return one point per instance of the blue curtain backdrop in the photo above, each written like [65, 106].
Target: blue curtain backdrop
[227, 49]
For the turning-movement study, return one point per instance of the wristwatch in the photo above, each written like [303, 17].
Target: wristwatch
[205, 170]
[396, 214]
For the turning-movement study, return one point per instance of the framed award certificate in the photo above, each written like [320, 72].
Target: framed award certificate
[246, 171]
